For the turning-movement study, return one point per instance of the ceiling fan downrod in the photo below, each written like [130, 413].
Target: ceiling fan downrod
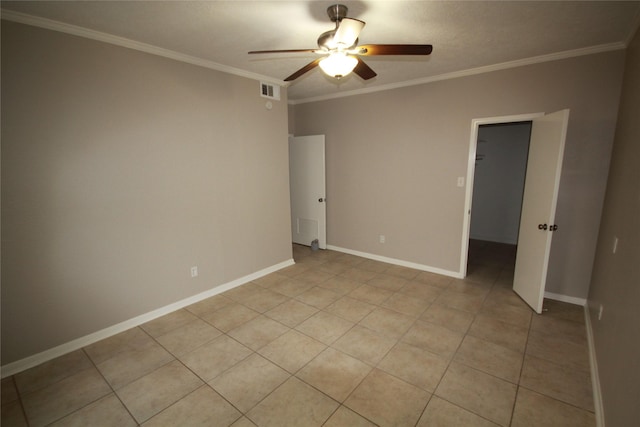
[336, 12]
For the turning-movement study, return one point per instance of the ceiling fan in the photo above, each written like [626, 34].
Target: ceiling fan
[340, 51]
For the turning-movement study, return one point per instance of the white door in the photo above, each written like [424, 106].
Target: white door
[307, 184]
[546, 151]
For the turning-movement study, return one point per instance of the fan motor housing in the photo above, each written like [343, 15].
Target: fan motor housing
[325, 39]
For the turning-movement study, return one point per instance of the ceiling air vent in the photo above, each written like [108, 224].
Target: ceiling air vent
[269, 91]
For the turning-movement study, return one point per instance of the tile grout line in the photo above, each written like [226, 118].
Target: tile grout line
[24, 412]
[475, 315]
[524, 353]
[396, 342]
[110, 386]
[205, 382]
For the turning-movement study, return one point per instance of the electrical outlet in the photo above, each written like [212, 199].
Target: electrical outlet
[382, 238]
[600, 312]
[194, 271]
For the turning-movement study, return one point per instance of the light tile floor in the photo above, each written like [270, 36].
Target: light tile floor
[335, 340]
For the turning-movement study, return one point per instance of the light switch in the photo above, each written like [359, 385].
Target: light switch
[461, 181]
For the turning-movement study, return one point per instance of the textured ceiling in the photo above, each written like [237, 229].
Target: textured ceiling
[465, 35]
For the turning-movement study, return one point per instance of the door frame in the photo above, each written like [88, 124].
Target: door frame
[471, 169]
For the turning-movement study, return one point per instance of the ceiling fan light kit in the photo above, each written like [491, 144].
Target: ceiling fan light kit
[342, 53]
[338, 64]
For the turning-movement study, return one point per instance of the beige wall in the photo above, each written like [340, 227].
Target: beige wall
[393, 158]
[120, 171]
[291, 116]
[616, 277]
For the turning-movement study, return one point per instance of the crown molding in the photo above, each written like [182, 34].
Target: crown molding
[75, 30]
[53, 25]
[470, 72]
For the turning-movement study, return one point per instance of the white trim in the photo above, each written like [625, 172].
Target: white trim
[565, 298]
[75, 30]
[595, 376]
[52, 353]
[471, 167]
[472, 71]
[396, 262]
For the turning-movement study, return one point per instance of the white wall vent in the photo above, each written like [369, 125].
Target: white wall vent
[269, 91]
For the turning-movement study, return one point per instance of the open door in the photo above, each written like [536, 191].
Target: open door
[537, 223]
[307, 186]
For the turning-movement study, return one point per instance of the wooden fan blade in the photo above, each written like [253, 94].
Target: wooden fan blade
[310, 66]
[394, 49]
[284, 51]
[364, 71]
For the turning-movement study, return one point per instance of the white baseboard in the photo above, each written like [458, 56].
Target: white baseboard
[31, 361]
[595, 376]
[565, 298]
[402, 263]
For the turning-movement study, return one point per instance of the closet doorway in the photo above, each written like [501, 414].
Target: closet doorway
[498, 183]
[498, 186]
